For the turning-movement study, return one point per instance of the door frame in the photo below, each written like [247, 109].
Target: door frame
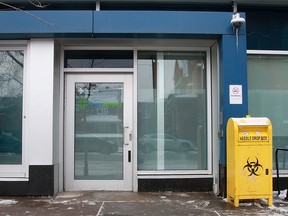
[211, 46]
[116, 185]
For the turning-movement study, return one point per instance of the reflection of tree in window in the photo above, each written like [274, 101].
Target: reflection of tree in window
[96, 103]
[11, 76]
[11, 92]
[11, 82]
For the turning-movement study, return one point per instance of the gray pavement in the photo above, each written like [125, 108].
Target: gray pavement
[130, 204]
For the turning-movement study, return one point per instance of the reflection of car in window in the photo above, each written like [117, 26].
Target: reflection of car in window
[149, 142]
[92, 143]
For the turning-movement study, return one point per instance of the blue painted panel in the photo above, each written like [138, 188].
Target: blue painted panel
[163, 22]
[233, 71]
[45, 22]
[114, 23]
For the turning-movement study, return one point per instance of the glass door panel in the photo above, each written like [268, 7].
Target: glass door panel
[97, 145]
[98, 137]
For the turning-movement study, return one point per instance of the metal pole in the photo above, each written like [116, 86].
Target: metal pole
[277, 170]
[235, 9]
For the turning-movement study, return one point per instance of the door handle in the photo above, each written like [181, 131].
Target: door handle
[125, 129]
[129, 156]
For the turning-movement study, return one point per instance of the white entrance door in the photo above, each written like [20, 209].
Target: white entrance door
[98, 132]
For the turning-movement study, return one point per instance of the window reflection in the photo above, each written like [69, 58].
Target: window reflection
[11, 92]
[268, 96]
[172, 111]
[98, 131]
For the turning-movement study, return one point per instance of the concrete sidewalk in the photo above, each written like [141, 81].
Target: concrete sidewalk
[129, 203]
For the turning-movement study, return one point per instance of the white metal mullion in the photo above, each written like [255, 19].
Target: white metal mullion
[268, 52]
[209, 110]
[160, 111]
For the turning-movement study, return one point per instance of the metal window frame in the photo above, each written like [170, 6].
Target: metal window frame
[18, 172]
[149, 45]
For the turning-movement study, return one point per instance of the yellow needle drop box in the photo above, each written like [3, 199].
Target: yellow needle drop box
[249, 159]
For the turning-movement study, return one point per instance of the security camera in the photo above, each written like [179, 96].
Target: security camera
[237, 21]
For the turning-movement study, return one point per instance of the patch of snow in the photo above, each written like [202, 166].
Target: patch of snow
[206, 203]
[62, 201]
[282, 194]
[258, 205]
[183, 195]
[8, 202]
[65, 202]
[88, 202]
[69, 194]
[279, 209]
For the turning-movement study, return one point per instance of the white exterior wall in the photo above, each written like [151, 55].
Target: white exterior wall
[40, 80]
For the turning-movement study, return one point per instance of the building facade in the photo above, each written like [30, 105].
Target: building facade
[134, 95]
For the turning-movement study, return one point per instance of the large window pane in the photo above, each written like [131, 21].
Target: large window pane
[172, 111]
[268, 95]
[11, 88]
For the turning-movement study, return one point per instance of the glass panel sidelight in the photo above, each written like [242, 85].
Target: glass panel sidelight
[98, 141]
[172, 111]
[11, 93]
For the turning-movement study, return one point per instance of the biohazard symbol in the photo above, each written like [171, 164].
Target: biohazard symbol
[253, 167]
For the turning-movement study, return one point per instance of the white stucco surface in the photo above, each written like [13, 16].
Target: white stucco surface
[40, 101]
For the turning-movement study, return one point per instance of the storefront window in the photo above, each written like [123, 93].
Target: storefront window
[172, 111]
[11, 92]
[268, 96]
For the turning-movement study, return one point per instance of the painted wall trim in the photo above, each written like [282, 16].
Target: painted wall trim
[35, 24]
[163, 22]
[89, 24]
